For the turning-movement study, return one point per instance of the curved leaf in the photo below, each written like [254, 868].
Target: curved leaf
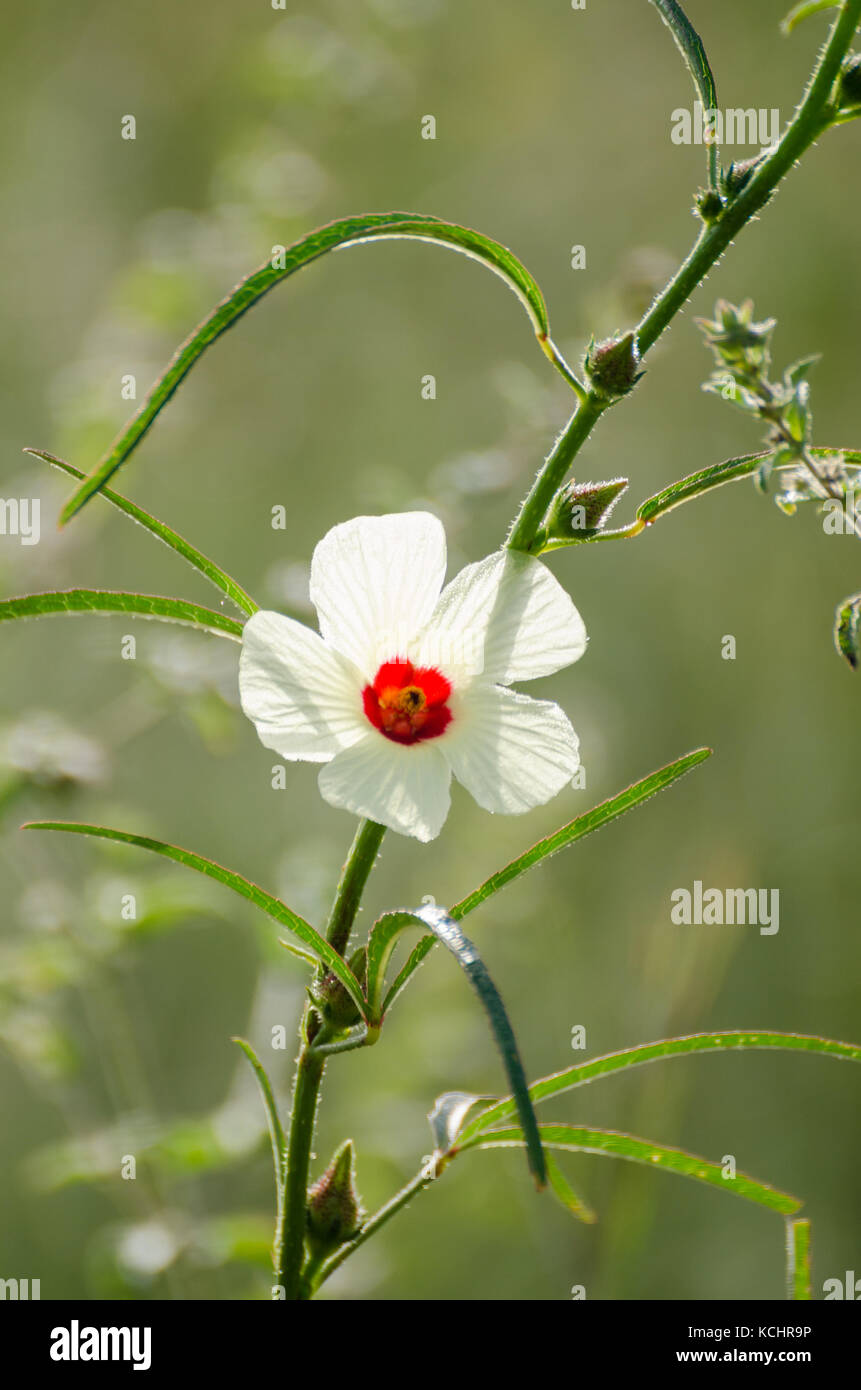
[584, 1072]
[243, 886]
[410, 966]
[691, 47]
[276, 1132]
[381, 943]
[577, 1139]
[446, 930]
[564, 1192]
[804, 11]
[349, 231]
[696, 483]
[169, 610]
[164, 533]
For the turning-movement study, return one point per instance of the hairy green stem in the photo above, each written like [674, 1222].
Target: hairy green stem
[290, 1238]
[527, 525]
[290, 1235]
[812, 117]
[360, 861]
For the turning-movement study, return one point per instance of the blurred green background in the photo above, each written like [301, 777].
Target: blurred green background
[254, 125]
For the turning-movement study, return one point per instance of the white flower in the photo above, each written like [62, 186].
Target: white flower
[406, 682]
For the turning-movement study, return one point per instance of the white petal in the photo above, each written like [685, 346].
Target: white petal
[304, 698]
[403, 786]
[375, 581]
[510, 752]
[506, 619]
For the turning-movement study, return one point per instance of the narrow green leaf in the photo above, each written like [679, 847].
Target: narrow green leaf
[696, 483]
[576, 1139]
[276, 1132]
[410, 966]
[307, 957]
[847, 629]
[381, 944]
[170, 610]
[728, 472]
[164, 533]
[446, 930]
[581, 826]
[798, 1259]
[584, 1072]
[804, 11]
[565, 1193]
[349, 231]
[274, 907]
[693, 51]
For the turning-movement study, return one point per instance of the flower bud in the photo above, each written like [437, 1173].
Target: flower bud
[611, 366]
[580, 509]
[331, 998]
[850, 81]
[738, 174]
[709, 205]
[334, 1213]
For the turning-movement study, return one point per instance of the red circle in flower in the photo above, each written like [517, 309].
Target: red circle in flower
[408, 703]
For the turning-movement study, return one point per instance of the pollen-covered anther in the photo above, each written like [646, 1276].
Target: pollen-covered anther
[407, 703]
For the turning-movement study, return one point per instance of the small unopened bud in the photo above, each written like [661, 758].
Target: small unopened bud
[709, 204]
[612, 366]
[850, 81]
[580, 509]
[738, 174]
[335, 1212]
[331, 998]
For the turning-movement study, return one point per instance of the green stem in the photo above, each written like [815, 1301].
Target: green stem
[810, 120]
[360, 861]
[571, 440]
[812, 117]
[290, 1232]
[290, 1238]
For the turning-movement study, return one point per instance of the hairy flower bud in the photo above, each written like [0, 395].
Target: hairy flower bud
[335, 1212]
[331, 998]
[709, 205]
[579, 510]
[850, 81]
[612, 366]
[738, 174]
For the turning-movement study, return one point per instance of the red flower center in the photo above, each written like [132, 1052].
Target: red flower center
[408, 703]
